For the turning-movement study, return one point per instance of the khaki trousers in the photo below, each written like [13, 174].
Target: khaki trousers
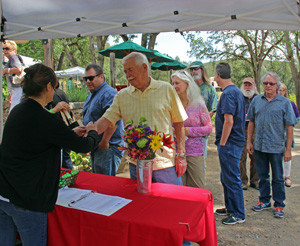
[243, 168]
[195, 173]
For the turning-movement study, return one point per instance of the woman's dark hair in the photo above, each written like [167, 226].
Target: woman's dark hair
[36, 79]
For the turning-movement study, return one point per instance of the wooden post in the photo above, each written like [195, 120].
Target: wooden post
[112, 69]
[48, 52]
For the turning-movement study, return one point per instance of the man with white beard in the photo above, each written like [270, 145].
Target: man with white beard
[201, 78]
[249, 91]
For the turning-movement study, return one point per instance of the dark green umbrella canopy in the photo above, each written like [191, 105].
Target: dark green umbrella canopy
[166, 66]
[127, 47]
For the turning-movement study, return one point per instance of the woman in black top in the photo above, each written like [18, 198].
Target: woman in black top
[30, 159]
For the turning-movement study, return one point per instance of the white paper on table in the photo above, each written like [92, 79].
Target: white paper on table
[90, 201]
[66, 195]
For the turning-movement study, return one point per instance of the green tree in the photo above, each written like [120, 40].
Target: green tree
[252, 47]
[291, 51]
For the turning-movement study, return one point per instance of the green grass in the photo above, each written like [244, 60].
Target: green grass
[77, 94]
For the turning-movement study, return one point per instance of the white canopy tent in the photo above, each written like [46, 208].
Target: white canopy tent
[74, 72]
[28, 61]
[49, 19]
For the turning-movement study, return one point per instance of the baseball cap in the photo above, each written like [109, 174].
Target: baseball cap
[249, 80]
[196, 64]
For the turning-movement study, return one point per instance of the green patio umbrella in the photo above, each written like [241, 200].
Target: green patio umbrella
[166, 66]
[127, 47]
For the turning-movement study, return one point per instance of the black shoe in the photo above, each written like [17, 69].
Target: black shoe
[223, 212]
[255, 186]
[245, 187]
[231, 220]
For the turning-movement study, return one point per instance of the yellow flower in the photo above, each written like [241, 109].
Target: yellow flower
[156, 142]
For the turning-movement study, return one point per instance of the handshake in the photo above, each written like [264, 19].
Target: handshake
[83, 130]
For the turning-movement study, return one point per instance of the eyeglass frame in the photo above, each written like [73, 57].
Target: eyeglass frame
[269, 83]
[6, 48]
[91, 78]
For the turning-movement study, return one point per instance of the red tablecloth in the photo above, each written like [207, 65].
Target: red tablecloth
[166, 216]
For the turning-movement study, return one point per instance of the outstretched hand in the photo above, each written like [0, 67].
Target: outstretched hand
[80, 130]
[91, 126]
[61, 106]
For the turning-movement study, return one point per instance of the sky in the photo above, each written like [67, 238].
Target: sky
[170, 43]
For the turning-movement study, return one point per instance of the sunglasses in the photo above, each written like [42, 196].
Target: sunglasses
[91, 78]
[195, 68]
[6, 48]
[269, 83]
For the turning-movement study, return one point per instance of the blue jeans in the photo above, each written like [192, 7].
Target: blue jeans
[167, 175]
[205, 142]
[106, 161]
[262, 163]
[32, 226]
[229, 156]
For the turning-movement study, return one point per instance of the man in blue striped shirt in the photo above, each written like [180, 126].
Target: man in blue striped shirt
[271, 115]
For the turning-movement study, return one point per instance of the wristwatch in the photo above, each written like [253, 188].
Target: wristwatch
[181, 155]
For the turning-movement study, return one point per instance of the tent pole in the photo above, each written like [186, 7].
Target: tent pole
[1, 80]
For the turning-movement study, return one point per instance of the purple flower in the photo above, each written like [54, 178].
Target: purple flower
[148, 131]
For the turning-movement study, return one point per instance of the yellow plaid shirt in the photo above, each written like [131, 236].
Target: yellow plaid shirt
[159, 104]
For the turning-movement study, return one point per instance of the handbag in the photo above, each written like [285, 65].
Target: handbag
[69, 120]
[18, 78]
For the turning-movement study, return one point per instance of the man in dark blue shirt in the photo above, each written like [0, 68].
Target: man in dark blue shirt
[106, 157]
[230, 139]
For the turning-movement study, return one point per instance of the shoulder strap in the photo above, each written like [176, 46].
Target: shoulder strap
[21, 60]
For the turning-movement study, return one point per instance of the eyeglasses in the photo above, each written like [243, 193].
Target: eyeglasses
[269, 83]
[91, 78]
[6, 48]
[195, 68]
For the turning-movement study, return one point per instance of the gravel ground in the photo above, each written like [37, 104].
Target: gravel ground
[260, 228]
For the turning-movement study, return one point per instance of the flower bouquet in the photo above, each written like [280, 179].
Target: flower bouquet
[142, 143]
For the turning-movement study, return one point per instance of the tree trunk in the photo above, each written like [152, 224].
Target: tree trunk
[92, 49]
[152, 40]
[112, 70]
[292, 64]
[71, 56]
[60, 61]
[144, 40]
[101, 42]
[48, 52]
[124, 37]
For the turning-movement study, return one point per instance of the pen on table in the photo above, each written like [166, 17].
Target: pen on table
[82, 197]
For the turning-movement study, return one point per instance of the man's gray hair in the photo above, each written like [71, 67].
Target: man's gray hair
[274, 75]
[139, 59]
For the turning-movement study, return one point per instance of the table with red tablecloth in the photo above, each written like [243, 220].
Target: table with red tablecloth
[164, 217]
